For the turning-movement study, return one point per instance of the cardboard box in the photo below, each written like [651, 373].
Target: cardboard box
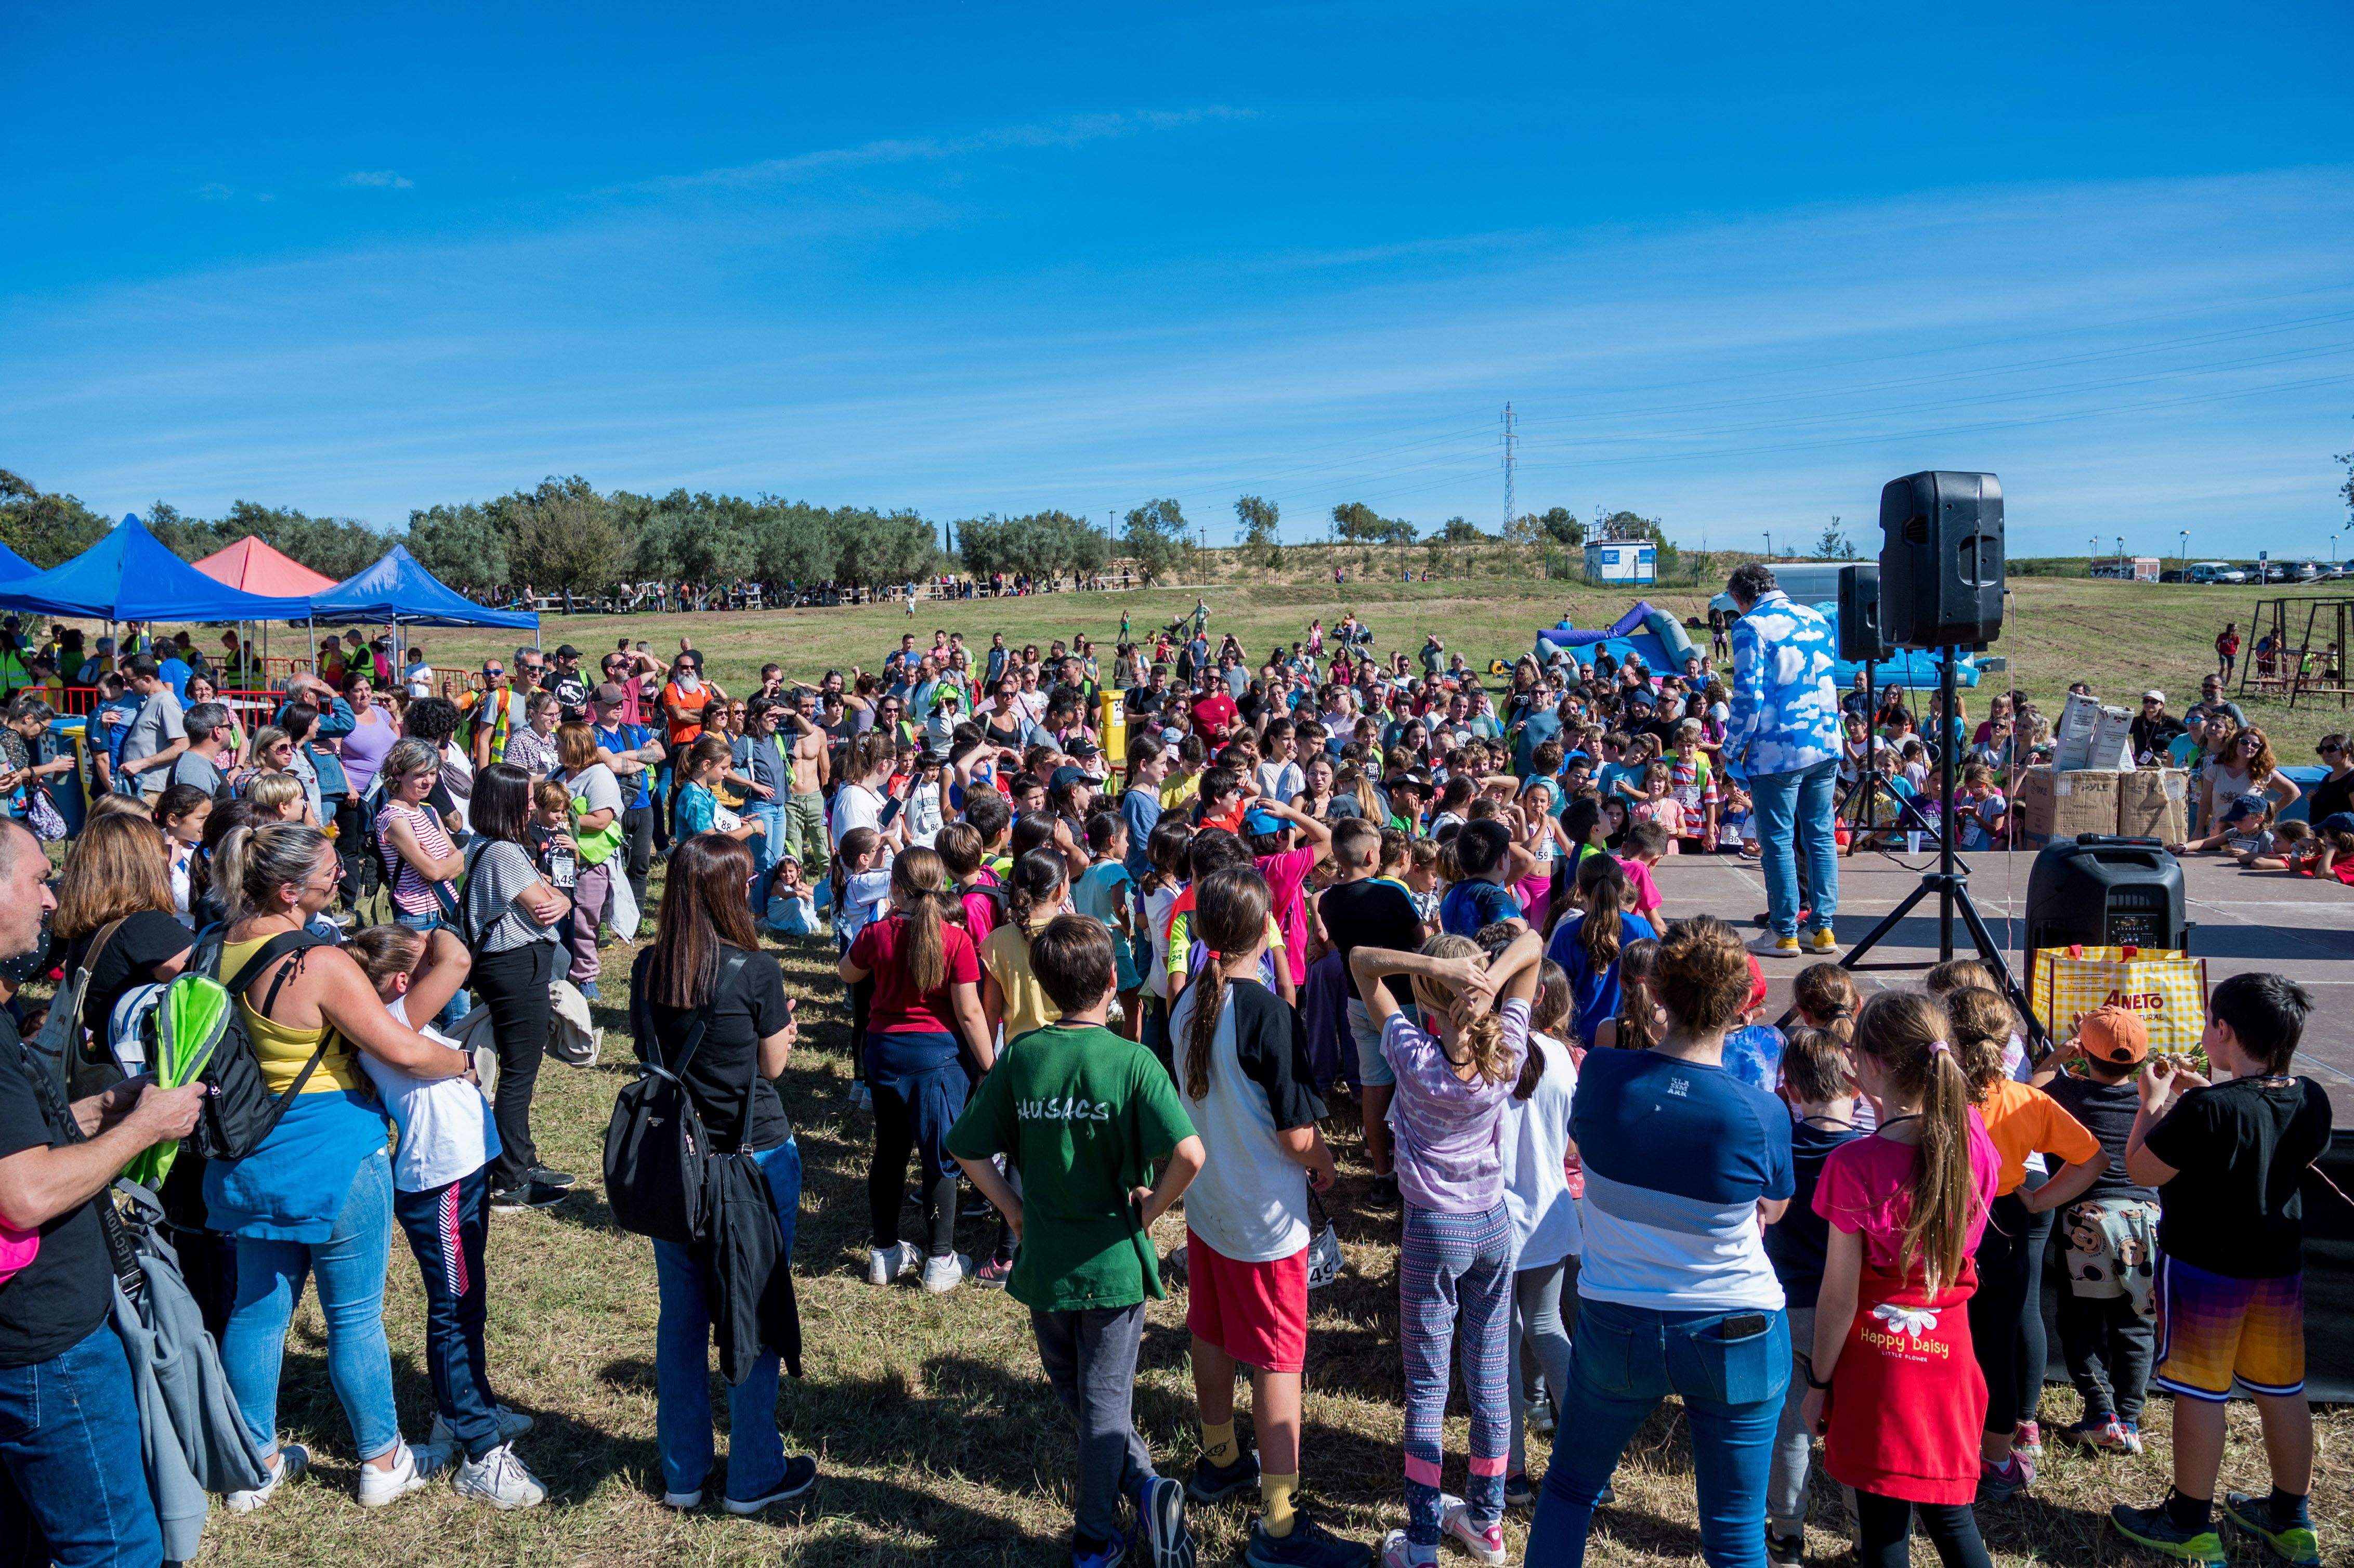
[2154, 803]
[2056, 803]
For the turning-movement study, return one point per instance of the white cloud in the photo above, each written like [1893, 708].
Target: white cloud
[385, 179]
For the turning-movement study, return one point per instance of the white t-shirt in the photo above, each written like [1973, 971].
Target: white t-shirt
[1157, 906]
[1280, 780]
[855, 806]
[446, 1129]
[1532, 1145]
[865, 899]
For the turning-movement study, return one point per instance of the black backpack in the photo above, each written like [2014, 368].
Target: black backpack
[242, 1112]
[656, 1152]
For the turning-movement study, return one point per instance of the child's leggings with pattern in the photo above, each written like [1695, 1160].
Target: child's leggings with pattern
[1454, 1287]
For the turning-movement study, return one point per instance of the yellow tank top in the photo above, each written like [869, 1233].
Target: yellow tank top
[282, 1051]
[1005, 954]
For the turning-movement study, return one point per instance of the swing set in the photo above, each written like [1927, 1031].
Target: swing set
[2276, 667]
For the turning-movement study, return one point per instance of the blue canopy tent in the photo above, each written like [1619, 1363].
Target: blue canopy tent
[399, 591]
[14, 565]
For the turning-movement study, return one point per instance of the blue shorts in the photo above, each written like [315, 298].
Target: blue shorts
[1373, 1071]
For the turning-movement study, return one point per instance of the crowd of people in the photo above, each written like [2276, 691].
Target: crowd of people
[1118, 938]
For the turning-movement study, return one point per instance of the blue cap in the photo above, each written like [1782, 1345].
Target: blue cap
[1063, 778]
[1261, 821]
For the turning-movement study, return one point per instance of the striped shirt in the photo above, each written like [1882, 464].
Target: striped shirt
[410, 891]
[1450, 1133]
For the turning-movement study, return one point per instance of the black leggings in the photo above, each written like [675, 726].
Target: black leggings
[1888, 1529]
[514, 986]
[2011, 1351]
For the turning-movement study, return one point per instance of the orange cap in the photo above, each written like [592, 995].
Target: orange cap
[2114, 1035]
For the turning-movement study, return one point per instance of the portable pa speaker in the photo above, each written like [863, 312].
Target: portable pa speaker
[1861, 640]
[1941, 565]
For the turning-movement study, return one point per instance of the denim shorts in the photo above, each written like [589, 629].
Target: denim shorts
[1373, 1070]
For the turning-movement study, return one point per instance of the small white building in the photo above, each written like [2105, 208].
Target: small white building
[1622, 561]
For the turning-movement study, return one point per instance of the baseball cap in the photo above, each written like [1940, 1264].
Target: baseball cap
[568, 651]
[608, 694]
[2153, 696]
[1063, 778]
[1262, 821]
[1414, 778]
[1083, 748]
[2114, 1035]
[2250, 805]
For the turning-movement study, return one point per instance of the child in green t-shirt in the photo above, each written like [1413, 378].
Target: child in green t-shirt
[1082, 1115]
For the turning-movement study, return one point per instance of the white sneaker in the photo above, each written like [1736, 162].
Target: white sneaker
[500, 1479]
[513, 1424]
[886, 1264]
[411, 1469]
[293, 1460]
[1455, 1520]
[1772, 947]
[947, 1273]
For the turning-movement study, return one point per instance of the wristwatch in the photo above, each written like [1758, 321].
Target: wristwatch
[1813, 1381]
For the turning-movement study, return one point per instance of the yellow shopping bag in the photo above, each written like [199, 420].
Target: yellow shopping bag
[2166, 989]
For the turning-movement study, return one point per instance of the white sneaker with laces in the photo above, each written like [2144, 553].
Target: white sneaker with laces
[513, 1424]
[500, 1479]
[947, 1273]
[1455, 1520]
[411, 1469]
[886, 1264]
[291, 1461]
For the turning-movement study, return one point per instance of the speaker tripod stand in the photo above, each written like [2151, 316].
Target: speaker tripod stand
[1951, 885]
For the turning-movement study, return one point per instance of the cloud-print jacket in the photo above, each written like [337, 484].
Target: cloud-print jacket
[1786, 705]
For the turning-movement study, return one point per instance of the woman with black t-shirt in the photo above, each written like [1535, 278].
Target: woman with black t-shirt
[705, 963]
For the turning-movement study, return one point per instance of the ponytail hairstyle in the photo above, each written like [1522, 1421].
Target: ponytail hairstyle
[1814, 1066]
[1037, 888]
[868, 753]
[1905, 1033]
[1603, 889]
[1826, 994]
[857, 842]
[1983, 1024]
[1639, 1006]
[253, 866]
[1165, 848]
[1483, 1039]
[1955, 974]
[1230, 906]
[1701, 974]
[922, 882]
[1549, 1016]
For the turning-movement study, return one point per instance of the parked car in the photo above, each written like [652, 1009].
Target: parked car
[2214, 572]
[2171, 575]
[2311, 571]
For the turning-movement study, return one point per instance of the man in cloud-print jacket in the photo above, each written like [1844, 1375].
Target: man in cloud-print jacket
[1784, 737]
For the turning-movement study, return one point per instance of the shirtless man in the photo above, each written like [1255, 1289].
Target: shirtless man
[805, 803]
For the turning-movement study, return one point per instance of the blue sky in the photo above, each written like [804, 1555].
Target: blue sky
[1733, 267]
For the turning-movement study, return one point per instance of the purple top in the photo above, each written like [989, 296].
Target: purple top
[1449, 1132]
[364, 749]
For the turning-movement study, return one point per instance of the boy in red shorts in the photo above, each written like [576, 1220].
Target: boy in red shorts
[2231, 1289]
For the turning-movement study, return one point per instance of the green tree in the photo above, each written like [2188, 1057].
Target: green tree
[1357, 523]
[1562, 527]
[1397, 531]
[46, 528]
[1258, 523]
[1459, 532]
[1834, 546]
[885, 546]
[1156, 539]
[565, 534]
[465, 546]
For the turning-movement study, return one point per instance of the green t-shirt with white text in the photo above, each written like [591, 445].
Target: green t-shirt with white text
[1082, 1115]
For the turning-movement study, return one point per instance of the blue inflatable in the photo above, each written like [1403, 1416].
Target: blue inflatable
[1643, 632]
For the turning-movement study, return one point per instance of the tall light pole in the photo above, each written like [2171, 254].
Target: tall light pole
[2182, 546]
[1769, 545]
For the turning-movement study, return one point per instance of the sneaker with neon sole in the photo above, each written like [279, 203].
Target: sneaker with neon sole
[2151, 1528]
[2293, 1541]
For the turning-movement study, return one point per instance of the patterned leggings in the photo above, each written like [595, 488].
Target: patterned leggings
[1455, 1282]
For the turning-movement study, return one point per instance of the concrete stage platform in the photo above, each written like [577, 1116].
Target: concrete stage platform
[2242, 920]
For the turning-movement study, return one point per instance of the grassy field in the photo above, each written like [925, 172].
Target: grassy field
[2123, 638]
[936, 1436]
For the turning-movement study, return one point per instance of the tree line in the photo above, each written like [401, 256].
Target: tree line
[565, 534]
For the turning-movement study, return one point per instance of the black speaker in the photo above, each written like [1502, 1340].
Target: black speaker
[2105, 892]
[1941, 565]
[1862, 638]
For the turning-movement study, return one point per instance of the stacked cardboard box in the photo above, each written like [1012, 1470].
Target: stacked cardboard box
[2145, 802]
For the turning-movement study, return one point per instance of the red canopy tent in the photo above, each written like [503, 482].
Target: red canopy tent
[253, 567]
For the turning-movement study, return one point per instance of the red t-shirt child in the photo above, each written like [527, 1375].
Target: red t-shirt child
[898, 1008]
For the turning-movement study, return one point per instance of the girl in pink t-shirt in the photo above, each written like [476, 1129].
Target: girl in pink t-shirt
[1892, 1382]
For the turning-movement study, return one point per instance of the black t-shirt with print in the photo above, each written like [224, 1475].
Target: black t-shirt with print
[2107, 1112]
[63, 1295]
[743, 1011]
[2242, 1148]
[1271, 1045]
[147, 938]
[1370, 913]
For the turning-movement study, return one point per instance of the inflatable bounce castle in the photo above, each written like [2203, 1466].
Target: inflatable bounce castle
[1658, 642]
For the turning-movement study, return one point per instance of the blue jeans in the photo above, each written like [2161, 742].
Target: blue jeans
[1626, 1360]
[756, 1454]
[457, 1007]
[73, 1488]
[350, 1266]
[766, 845]
[1792, 807]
